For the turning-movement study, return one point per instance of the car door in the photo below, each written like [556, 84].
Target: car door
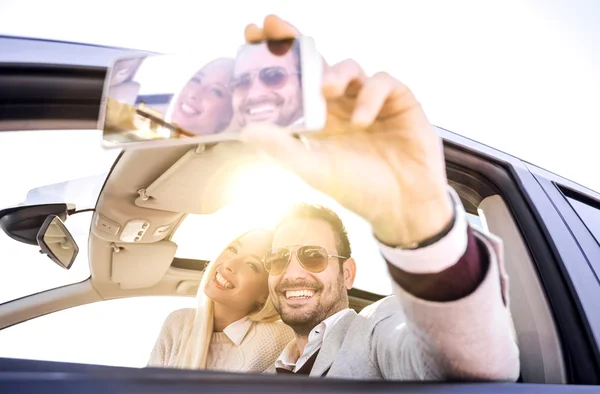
[576, 220]
[568, 282]
[567, 262]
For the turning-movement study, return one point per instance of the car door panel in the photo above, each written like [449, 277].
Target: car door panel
[28, 377]
[583, 265]
[561, 225]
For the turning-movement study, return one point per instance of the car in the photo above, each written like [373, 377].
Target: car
[550, 227]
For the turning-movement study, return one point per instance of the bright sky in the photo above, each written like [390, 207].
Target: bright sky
[519, 76]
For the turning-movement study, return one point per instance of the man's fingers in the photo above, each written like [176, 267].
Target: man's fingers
[338, 78]
[253, 34]
[372, 97]
[275, 28]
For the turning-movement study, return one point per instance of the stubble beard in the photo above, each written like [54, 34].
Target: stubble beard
[303, 323]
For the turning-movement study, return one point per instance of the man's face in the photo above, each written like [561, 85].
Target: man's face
[323, 293]
[266, 87]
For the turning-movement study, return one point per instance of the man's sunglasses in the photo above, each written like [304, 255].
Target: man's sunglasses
[313, 258]
[270, 77]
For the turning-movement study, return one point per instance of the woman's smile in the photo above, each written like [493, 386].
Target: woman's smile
[222, 282]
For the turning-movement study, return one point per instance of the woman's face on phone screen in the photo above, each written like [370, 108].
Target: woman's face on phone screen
[204, 104]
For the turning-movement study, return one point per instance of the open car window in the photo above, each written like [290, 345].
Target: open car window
[203, 237]
[260, 195]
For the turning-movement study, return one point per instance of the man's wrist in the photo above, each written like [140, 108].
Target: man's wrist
[439, 255]
[422, 226]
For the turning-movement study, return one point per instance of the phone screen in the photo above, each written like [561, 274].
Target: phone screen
[192, 98]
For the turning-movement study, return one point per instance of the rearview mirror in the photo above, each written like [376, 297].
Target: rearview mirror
[56, 242]
[23, 223]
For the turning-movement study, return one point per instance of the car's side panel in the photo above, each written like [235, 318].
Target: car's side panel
[35, 377]
[554, 215]
[586, 240]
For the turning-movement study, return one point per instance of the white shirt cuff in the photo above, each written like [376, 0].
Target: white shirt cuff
[436, 257]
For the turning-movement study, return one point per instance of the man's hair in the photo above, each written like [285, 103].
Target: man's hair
[294, 50]
[309, 211]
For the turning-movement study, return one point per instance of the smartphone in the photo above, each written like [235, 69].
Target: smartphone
[157, 100]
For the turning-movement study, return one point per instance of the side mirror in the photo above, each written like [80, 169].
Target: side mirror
[56, 242]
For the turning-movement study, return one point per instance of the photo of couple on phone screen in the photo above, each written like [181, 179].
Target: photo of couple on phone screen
[221, 95]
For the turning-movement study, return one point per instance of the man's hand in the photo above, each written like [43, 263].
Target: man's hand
[378, 155]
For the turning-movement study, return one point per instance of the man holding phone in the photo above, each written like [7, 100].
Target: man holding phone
[266, 87]
[381, 158]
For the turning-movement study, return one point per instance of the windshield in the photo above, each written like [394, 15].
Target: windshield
[49, 167]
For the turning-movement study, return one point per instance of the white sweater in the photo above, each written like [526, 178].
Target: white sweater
[253, 347]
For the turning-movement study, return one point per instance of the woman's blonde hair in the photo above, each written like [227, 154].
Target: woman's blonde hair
[197, 334]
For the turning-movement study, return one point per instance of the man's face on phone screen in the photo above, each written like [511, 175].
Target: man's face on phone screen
[266, 88]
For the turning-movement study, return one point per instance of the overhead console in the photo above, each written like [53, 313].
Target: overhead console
[150, 191]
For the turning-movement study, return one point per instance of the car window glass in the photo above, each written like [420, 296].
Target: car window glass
[589, 214]
[48, 166]
[119, 332]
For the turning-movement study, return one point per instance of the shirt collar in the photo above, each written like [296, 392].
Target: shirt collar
[237, 330]
[291, 356]
[331, 320]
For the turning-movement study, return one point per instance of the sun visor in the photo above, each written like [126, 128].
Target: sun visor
[200, 182]
[136, 266]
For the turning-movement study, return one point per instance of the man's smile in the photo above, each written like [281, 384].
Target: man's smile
[261, 110]
[299, 294]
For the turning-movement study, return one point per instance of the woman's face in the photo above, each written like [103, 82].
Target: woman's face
[240, 279]
[204, 104]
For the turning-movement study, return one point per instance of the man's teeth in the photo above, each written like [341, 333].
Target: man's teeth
[299, 293]
[188, 110]
[260, 110]
[223, 282]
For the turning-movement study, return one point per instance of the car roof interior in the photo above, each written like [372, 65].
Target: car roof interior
[152, 184]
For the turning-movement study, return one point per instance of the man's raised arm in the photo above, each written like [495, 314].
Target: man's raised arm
[454, 294]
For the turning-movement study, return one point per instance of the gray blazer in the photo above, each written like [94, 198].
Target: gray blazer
[405, 338]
